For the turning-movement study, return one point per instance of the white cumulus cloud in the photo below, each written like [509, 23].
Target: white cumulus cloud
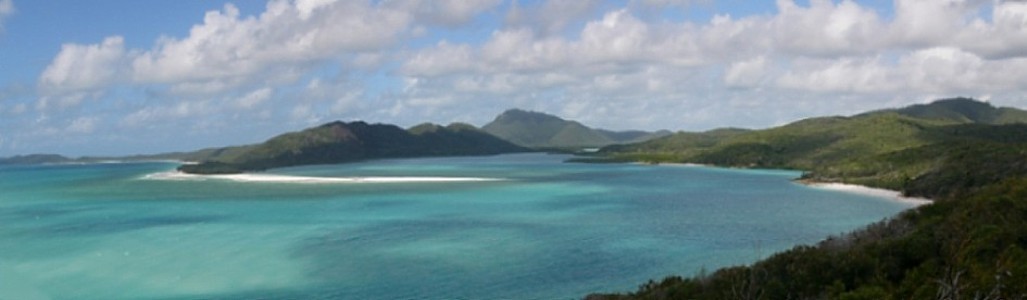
[748, 73]
[229, 46]
[825, 28]
[84, 67]
[624, 64]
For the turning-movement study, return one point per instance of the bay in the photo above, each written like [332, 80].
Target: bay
[536, 228]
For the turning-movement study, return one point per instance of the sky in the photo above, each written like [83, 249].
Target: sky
[118, 77]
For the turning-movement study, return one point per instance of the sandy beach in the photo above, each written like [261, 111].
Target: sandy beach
[864, 190]
[175, 175]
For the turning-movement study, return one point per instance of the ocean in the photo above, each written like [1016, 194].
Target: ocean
[522, 226]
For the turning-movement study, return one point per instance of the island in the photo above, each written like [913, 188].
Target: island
[340, 142]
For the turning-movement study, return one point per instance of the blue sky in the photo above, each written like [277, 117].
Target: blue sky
[122, 77]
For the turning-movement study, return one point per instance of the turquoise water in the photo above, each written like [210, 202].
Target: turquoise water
[547, 230]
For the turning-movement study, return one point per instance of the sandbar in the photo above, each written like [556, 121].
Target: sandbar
[250, 177]
[869, 191]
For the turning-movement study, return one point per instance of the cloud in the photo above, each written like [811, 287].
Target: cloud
[82, 125]
[627, 64]
[549, 17]
[661, 4]
[6, 10]
[1004, 37]
[227, 46]
[848, 75]
[151, 116]
[748, 73]
[450, 13]
[620, 62]
[926, 23]
[615, 42]
[253, 99]
[79, 72]
[84, 67]
[825, 28]
[228, 50]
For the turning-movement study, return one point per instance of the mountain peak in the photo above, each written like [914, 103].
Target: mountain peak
[965, 110]
[520, 115]
[536, 129]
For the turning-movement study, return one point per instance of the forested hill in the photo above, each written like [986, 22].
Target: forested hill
[339, 142]
[971, 243]
[964, 110]
[902, 149]
[539, 130]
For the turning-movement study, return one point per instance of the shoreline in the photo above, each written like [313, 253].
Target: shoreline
[674, 164]
[264, 178]
[867, 191]
[832, 186]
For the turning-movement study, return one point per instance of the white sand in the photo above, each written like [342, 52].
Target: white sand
[674, 164]
[175, 175]
[859, 189]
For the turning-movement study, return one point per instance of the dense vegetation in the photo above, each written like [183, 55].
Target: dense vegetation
[34, 159]
[971, 243]
[902, 149]
[539, 130]
[339, 142]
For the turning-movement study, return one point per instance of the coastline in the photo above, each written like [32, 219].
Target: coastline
[833, 186]
[674, 164]
[259, 178]
[865, 190]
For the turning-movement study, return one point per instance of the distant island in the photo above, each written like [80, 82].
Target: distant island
[32, 159]
[512, 131]
[340, 142]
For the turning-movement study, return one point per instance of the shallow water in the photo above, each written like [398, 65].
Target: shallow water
[544, 230]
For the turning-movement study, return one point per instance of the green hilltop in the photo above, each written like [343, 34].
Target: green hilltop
[539, 130]
[965, 110]
[970, 243]
[340, 142]
[886, 148]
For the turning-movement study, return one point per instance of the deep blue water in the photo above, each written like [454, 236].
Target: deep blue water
[547, 230]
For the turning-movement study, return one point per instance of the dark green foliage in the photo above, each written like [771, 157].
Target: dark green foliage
[965, 110]
[33, 159]
[900, 149]
[539, 130]
[959, 158]
[676, 146]
[211, 167]
[800, 145]
[633, 136]
[339, 142]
